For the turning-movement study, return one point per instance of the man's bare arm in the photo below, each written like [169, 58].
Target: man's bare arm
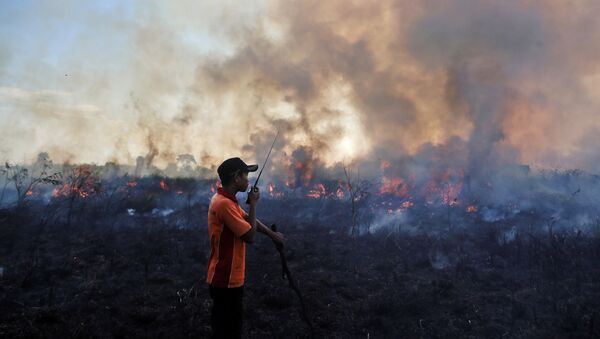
[251, 218]
[260, 227]
[264, 229]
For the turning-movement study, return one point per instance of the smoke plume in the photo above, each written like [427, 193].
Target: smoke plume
[489, 82]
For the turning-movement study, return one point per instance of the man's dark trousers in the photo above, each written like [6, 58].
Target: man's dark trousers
[226, 315]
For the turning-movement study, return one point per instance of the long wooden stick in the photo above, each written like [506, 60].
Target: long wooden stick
[285, 273]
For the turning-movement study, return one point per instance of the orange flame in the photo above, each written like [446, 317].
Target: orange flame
[340, 193]
[273, 191]
[164, 185]
[384, 165]
[66, 190]
[445, 187]
[81, 184]
[317, 191]
[299, 173]
[395, 186]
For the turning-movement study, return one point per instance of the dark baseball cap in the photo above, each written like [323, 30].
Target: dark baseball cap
[232, 165]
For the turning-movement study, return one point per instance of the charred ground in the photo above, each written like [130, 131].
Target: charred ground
[110, 273]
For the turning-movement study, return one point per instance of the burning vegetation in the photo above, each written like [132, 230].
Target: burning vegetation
[436, 246]
[412, 186]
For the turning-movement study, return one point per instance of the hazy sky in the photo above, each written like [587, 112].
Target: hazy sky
[111, 80]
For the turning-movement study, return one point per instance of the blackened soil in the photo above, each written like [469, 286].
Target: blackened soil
[146, 280]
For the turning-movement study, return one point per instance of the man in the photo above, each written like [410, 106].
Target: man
[229, 228]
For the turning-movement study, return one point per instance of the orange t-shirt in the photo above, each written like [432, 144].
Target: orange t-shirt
[226, 224]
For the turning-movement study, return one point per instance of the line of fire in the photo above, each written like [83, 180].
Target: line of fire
[399, 193]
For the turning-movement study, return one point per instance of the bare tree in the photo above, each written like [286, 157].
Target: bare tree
[79, 184]
[358, 191]
[25, 181]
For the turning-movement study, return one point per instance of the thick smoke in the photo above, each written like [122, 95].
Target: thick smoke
[487, 82]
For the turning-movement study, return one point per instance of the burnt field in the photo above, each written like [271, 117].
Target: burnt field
[131, 262]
